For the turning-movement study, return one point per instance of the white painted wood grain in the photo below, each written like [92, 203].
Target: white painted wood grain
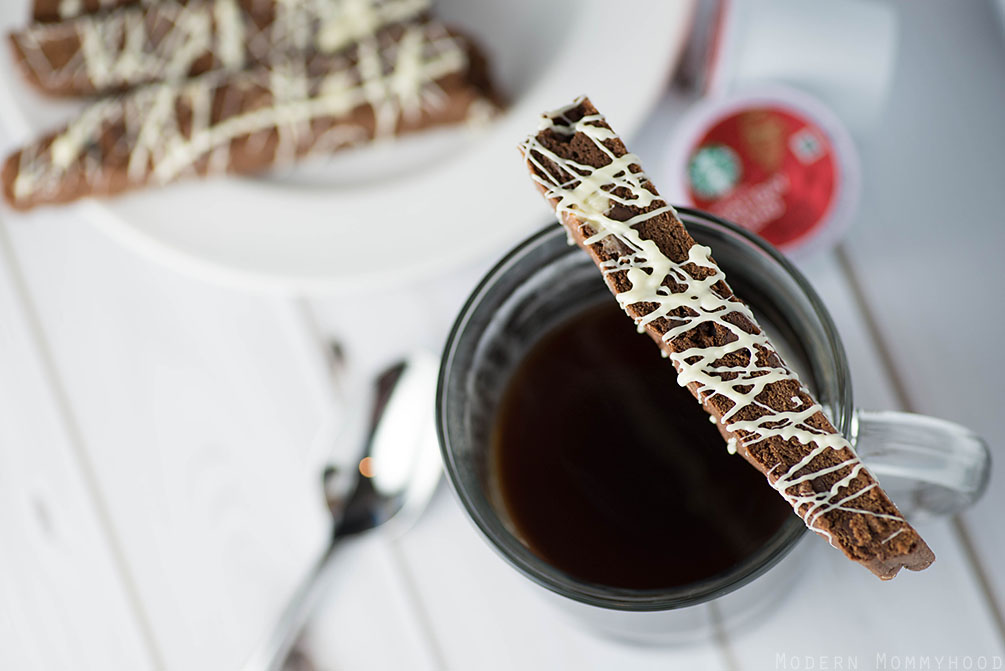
[58, 568]
[369, 618]
[838, 609]
[871, 385]
[927, 247]
[209, 414]
[204, 413]
[424, 312]
[199, 416]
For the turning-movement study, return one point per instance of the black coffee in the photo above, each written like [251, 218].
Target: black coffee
[613, 473]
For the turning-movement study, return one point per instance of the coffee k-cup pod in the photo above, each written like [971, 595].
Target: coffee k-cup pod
[774, 160]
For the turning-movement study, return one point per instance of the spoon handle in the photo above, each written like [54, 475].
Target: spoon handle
[273, 651]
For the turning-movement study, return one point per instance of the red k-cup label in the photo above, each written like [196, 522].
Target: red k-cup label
[769, 169]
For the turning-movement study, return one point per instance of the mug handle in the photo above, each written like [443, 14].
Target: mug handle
[930, 467]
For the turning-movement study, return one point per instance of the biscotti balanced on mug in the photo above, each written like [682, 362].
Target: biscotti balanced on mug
[169, 40]
[406, 78]
[673, 289]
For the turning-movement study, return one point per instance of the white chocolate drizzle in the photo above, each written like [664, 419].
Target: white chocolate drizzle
[68, 9]
[396, 75]
[173, 39]
[589, 195]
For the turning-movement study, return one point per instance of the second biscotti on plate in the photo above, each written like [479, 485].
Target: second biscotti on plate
[170, 40]
[407, 78]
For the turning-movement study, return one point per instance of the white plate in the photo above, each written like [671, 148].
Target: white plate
[378, 214]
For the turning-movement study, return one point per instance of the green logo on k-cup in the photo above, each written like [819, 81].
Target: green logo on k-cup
[713, 170]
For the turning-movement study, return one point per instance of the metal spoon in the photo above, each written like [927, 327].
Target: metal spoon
[397, 474]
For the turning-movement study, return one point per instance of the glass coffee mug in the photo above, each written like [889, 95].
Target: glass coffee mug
[928, 466]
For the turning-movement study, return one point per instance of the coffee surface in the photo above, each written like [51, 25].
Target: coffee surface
[613, 473]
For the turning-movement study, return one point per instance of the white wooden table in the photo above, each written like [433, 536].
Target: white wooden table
[161, 439]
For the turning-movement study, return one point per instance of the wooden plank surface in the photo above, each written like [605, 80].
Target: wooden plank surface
[177, 431]
[61, 563]
[927, 247]
[208, 414]
[370, 617]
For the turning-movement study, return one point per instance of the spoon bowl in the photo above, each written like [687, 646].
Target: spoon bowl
[398, 472]
[401, 466]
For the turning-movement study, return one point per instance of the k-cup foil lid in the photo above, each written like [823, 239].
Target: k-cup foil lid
[774, 161]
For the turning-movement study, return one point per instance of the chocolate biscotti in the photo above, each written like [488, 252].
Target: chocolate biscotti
[406, 78]
[174, 39]
[674, 290]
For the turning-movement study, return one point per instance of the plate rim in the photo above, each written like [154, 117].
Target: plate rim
[102, 214]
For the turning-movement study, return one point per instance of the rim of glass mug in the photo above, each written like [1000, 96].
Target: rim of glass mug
[539, 571]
